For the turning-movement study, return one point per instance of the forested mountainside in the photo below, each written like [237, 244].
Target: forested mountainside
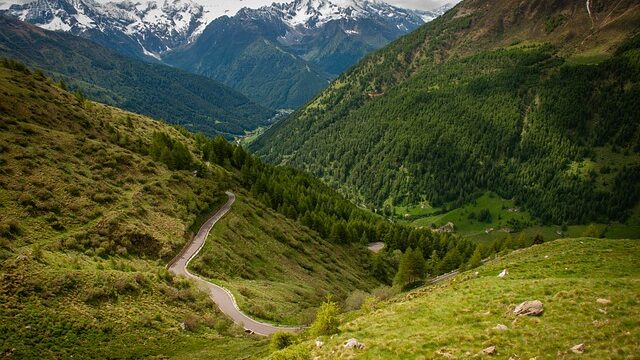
[194, 102]
[283, 54]
[529, 100]
[96, 201]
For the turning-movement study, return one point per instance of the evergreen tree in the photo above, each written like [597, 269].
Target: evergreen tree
[451, 261]
[411, 270]
[476, 259]
[432, 263]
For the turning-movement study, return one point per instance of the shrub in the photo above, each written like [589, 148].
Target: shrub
[355, 300]
[326, 322]
[281, 340]
[10, 230]
[190, 323]
[291, 353]
[385, 292]
[592, 231]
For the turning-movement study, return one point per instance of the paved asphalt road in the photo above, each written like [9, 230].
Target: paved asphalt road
[221, 296]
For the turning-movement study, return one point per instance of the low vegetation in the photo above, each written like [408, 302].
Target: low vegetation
[89, 221]
[96, 201]
[588, 288]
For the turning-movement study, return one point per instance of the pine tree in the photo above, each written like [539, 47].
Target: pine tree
[451, 261]
[411, 270]
[475, 260]
[432, 263]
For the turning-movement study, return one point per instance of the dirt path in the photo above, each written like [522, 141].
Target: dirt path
[221, 296]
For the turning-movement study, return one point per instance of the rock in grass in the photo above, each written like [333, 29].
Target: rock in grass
[501, 327]
[529, 308]
[353, 344]
[504, 273]
[319, 343]
[578, 349]
[603, 301]
[491, 350]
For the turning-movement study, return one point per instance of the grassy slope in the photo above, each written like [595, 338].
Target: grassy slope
[502, 217]
[277, 270]
[458, 316]
[72, 189]
[89, 222]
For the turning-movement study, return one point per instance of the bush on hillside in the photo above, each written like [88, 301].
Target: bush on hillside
[592, 231]
[355, 300]
[291, 353]
[326, 322]
[281, 340]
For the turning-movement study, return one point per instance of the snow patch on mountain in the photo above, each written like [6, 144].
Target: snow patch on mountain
[154, 27]
[157, 26]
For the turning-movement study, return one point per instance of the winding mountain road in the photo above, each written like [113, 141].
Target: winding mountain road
[221, 296]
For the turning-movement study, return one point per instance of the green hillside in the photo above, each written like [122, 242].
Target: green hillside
[96, 201]
[485, 99]
[193, 102]
[458, 318]
[88, 223]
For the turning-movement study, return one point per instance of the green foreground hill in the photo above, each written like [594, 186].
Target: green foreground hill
[458, 318]
[95, 201]
[530, 101]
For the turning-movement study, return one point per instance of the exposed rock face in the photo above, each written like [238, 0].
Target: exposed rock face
[353, 344]
[529, 308]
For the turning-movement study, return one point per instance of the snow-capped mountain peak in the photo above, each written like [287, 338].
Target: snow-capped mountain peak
[316, 13]
[151, 26]
[143, 28]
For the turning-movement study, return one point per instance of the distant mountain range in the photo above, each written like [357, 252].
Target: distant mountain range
[279, 55]
[283, 54]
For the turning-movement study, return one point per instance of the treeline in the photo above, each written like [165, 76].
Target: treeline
[301, 197]
[412, 254]
[171, 152]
